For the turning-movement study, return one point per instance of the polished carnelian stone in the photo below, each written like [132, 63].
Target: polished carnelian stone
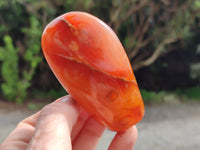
[89, 61]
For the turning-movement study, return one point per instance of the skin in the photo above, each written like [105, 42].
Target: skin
[66, 128]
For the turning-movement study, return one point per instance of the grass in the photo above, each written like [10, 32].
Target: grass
[191, 93]
[152, 96]
[176, 96]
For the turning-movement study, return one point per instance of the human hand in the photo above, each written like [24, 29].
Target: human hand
[63, 125]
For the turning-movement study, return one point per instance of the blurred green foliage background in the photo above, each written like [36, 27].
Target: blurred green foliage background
[161, 38]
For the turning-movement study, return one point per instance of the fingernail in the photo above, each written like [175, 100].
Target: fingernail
[64, 99]
[67, 98]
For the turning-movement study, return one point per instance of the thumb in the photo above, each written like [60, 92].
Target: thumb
[54, 125]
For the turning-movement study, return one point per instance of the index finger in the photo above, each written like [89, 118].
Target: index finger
[54, 126]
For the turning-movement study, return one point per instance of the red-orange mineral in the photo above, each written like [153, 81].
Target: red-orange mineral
[91, 64]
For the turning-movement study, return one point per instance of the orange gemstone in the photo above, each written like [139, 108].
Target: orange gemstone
[91, 64]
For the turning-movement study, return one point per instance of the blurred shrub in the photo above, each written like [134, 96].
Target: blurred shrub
[9, 69]
[52, 94]
[20, 57]
[148, 28]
